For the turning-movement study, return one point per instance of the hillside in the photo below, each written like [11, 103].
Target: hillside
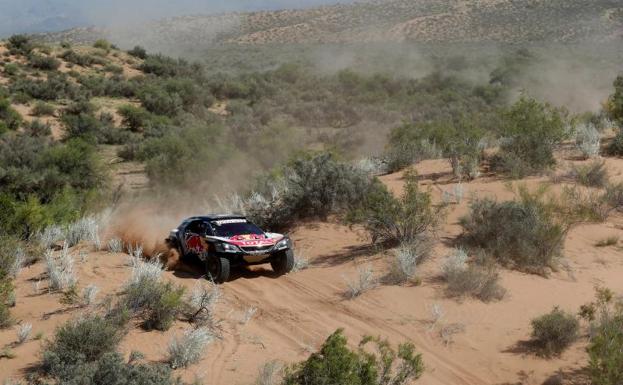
[502, 21]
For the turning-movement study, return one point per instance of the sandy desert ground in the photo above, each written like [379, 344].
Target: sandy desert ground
[266, 318]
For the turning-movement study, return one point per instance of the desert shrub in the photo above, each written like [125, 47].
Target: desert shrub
[80, 341]
[60, 269]
[605, 317]
[593, 174]
[42, 62]
[45, 182]
[19, 44]
[587, 140]
[531, 132]
[406, 259]
[336, 363]
[553, 332]
[363, 282]
[614, 196]
[615, 147]
[114, 86]
[457, 139]
[615, 102]
[8, 116]
[478, 281]
[8, 260]
[115, 245]
[157, 100]
[157, 303]
[201, 304]
[525, 233]
[312, 186]
[112, 369]
[10, 69]
[173, 95]
[114, 69]
[43, 109]
[138, 52]
[184, 155]
[83, 60]
[83, 229]
[188, 348]
[56, 86]
[161, 65]
[135, 118]
[403, 154]
[397, 220]
[38, 128]
[23, 332]
[102, 44]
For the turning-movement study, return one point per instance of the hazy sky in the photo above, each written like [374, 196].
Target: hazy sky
[49, 15]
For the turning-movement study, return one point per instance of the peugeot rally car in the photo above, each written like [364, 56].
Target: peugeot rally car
[226, 241]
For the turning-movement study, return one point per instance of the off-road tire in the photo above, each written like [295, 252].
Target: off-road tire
[283, 262]
[217, 268]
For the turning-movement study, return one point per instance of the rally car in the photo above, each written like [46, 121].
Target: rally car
[225, 241]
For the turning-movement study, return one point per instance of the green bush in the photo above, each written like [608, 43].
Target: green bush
[38, 128]
[83, 351]
[11, 118]
[8, 258]
[553, 332]
[19, 44]
[615, 147]
[136, 119]
[605, 316]
[457, 139]
[161, 65]
[184, 156]
[335, 363]
[157, 303]
[80, 341]
[478, 280]
[114, 69]
[102, 44]
[42, 62]
[531, 131]
[615, 103]
[114, 86]
[83, 60]
[138, 52]
[524, 233]
[11, 69]
[396, 220]
[310, 186]
[56, 86]
[593, 174]
[43, 109]
[112, 369]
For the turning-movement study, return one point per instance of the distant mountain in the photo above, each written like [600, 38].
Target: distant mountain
[510, 21]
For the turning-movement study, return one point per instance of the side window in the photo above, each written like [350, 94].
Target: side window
[199, 227]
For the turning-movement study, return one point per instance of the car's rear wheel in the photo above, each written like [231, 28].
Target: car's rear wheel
[217, 268]
[283, 262]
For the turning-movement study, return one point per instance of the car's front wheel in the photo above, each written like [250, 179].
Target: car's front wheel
[283, 262]
[217, 268]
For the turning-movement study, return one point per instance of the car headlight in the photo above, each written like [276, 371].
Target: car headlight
[227, 248]
[282, 244]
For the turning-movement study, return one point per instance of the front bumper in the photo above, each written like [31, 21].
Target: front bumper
[249, 259]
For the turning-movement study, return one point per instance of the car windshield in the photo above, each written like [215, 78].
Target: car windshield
[230, 228]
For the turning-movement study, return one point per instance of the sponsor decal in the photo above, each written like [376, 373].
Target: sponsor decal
[226, 221]
[195, 244]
